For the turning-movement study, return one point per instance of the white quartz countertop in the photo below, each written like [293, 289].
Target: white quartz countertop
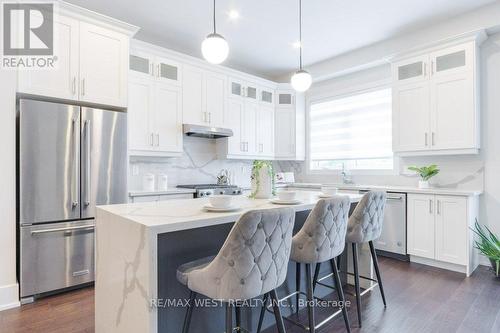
[183, 214]
[392, 188]
[170, 190]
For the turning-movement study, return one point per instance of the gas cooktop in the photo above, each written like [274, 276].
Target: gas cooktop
[205, 190]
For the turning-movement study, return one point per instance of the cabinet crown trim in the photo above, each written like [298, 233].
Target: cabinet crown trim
[477, 36]
[90, 16]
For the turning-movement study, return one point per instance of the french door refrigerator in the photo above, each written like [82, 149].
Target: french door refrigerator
[70, 159]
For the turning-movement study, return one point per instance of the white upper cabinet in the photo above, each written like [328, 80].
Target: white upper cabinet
[167, 118]
[140, 106]
[436, 101]
[285, 133]
[411, 70]
[167, 71]
[203, 97]
[241, 89]
[62, 81]
[91, 66]
[266, 96]
[285, 99]
[411, 116]
[265, 131]
[103, 65]
[154, 117]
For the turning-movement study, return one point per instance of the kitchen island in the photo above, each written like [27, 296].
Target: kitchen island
[140, 245]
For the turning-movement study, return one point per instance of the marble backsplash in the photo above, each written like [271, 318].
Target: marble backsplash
[199, 164]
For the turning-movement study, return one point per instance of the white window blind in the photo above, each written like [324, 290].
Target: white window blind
[354, 131]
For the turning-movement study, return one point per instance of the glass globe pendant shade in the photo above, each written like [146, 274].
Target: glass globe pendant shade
[301, 80]
[215, 49]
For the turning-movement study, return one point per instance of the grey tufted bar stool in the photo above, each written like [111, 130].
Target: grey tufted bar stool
[365, 225]
[321, 239]
[252, 262]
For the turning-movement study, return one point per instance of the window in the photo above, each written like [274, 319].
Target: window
[352, 131]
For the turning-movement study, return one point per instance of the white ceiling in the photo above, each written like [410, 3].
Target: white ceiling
[260, 40]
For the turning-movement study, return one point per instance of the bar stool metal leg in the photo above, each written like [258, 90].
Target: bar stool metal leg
[189, 312]
[237, 312]
[310, 299]
[316, 275]
[377, 271]
[229, 318]
[340, 293]
[297, 287]
[262, 312]
[277, 313]
[356, 280]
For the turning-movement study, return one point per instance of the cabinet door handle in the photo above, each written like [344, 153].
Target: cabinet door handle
[73, 89]
[210, 117]
[432, 67]
[430, 206]
[158, 70]
[425, 68]
[426, 139]
[157, 139]
[432, 139]
[83, 87]
[152, 137]
[439, 207]
[151, 69]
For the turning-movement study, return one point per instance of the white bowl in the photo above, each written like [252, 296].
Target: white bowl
[220, 201]
[287, 195]
[329, 190]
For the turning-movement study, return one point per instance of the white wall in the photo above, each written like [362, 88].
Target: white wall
[8, 284]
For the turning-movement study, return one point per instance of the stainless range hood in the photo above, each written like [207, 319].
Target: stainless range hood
[206, 131]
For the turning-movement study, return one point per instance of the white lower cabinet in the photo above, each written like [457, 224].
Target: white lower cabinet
[421, 226]
[439, 230]
[155, 118]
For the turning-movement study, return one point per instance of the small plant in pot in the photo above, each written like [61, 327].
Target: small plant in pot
[425, 173]
[262, 180]
[489, 245]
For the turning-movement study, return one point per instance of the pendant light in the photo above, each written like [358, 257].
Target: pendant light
[301, 80]
[215, 48]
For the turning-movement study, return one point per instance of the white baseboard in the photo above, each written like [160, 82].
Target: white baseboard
[9, 297]
[439, 264]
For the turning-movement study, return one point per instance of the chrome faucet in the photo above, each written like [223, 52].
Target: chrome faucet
[346, 179]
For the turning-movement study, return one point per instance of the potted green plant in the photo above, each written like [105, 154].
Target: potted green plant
[426, 173]
[262, 180]
[489, 245]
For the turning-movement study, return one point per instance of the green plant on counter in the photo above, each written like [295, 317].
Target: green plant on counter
[489, 245]
[256, 168]
[425, 172]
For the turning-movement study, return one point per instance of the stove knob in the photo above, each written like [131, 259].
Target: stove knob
[236, 192]
[221, 192]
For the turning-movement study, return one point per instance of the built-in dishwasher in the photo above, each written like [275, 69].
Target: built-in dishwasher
[392, 241]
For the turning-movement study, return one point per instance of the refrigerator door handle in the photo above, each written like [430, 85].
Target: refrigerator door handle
[74, 189]
[45, 231]
[87, 163]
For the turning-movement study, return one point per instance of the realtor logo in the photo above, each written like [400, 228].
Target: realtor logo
[28, 29]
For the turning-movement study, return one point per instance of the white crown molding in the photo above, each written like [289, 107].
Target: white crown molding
[90, 16]
[477, 36]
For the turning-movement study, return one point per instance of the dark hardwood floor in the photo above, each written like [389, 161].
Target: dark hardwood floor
[420, 299]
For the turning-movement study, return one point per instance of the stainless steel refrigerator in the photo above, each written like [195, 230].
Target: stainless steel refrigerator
[70, 159]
